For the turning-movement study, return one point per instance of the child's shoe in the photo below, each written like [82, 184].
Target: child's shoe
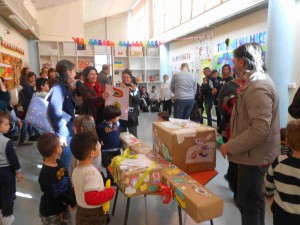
[8, 220]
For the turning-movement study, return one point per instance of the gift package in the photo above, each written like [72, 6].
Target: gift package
[190, 146]
[136, 174]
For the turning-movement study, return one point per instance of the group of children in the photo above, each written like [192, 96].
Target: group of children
[93, 148]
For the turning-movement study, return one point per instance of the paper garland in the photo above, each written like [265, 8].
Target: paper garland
[11, 47]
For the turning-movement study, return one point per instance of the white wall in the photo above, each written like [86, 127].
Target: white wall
[14, 38]
[248, 25]
[61, 23]
[115, 29]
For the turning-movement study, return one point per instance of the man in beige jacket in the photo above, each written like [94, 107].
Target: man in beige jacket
[255, 137]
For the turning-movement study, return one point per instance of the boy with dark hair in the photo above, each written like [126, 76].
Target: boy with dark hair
[109, 136]
[283, 176]
[88, 182]
[55, 183]
[42, 87]
[9, 170]
[163, 116]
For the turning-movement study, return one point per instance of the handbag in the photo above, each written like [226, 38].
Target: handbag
[37, 114]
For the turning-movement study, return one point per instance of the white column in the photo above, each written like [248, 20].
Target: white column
[280, 49]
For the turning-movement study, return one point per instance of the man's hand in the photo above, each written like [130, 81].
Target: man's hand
[224, 150]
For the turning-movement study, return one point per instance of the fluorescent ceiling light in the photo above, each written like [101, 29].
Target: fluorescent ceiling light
[18, 21]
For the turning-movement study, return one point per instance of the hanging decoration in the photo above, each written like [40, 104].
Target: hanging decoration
[119, 43]
[10, 46]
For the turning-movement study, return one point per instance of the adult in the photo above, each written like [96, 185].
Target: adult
[226, 75]
[23, 77]
[103, 75]
[255, 131]
[93, 95]
[61, 100]
[184, 86]
[28, 90]
[52, 77]
[166, 95]
[294, 108]
[128, 81]
[227, 97]
[44, 73]
[207, 95]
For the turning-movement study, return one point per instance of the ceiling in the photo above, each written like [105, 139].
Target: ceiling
[92, 9]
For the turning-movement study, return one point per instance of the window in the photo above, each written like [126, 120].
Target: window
[100, 60]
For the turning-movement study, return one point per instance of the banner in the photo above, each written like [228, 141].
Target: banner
[119, 97]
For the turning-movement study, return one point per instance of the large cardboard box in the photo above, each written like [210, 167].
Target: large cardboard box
[138, 175]
[197, 201]
[190, 146]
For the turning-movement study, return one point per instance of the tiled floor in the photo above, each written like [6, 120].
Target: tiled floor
[143, 211]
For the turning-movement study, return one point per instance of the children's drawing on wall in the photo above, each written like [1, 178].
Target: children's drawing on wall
[224, 50]
[10, 69]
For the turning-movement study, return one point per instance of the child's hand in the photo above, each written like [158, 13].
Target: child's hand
[214, 91]
[19, 176]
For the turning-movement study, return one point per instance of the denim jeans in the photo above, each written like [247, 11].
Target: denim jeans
[183, 108]
[208, 107]
[66, 155]
[250, 194]
[24, 129]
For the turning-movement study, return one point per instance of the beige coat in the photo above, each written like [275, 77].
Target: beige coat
[255, 128]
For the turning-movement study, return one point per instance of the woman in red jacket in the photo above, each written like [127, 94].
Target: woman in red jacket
[93, 95]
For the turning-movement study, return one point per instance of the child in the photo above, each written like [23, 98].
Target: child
[42, 87]
[163, 116]
[153, 100]
[283, 147]
[214, 84]
[88, 183]
[85, 123]
[55, 183]
[283, 176]
[145, 100]
[109, 136]
[9, 170]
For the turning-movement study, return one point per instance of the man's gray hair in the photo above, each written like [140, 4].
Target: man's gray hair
[252, 54]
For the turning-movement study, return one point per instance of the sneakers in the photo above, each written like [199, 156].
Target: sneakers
[8, 220]
[25, 143]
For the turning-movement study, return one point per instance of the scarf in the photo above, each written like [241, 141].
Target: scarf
[96, 90]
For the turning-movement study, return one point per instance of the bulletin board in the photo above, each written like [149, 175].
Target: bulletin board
[10, 69]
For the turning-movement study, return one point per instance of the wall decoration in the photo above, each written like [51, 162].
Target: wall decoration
[11, 47]
[225, 52]
[10, 69]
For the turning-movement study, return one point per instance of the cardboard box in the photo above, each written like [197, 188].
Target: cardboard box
[128, 138]
[139, 148]
[197, 201]
[138, 176]
[188, 145]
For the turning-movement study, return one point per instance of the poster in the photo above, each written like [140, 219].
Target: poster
[10, 69]
[119, 97]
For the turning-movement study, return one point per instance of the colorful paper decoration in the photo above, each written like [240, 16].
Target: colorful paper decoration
[10, 47]
[119, 43]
